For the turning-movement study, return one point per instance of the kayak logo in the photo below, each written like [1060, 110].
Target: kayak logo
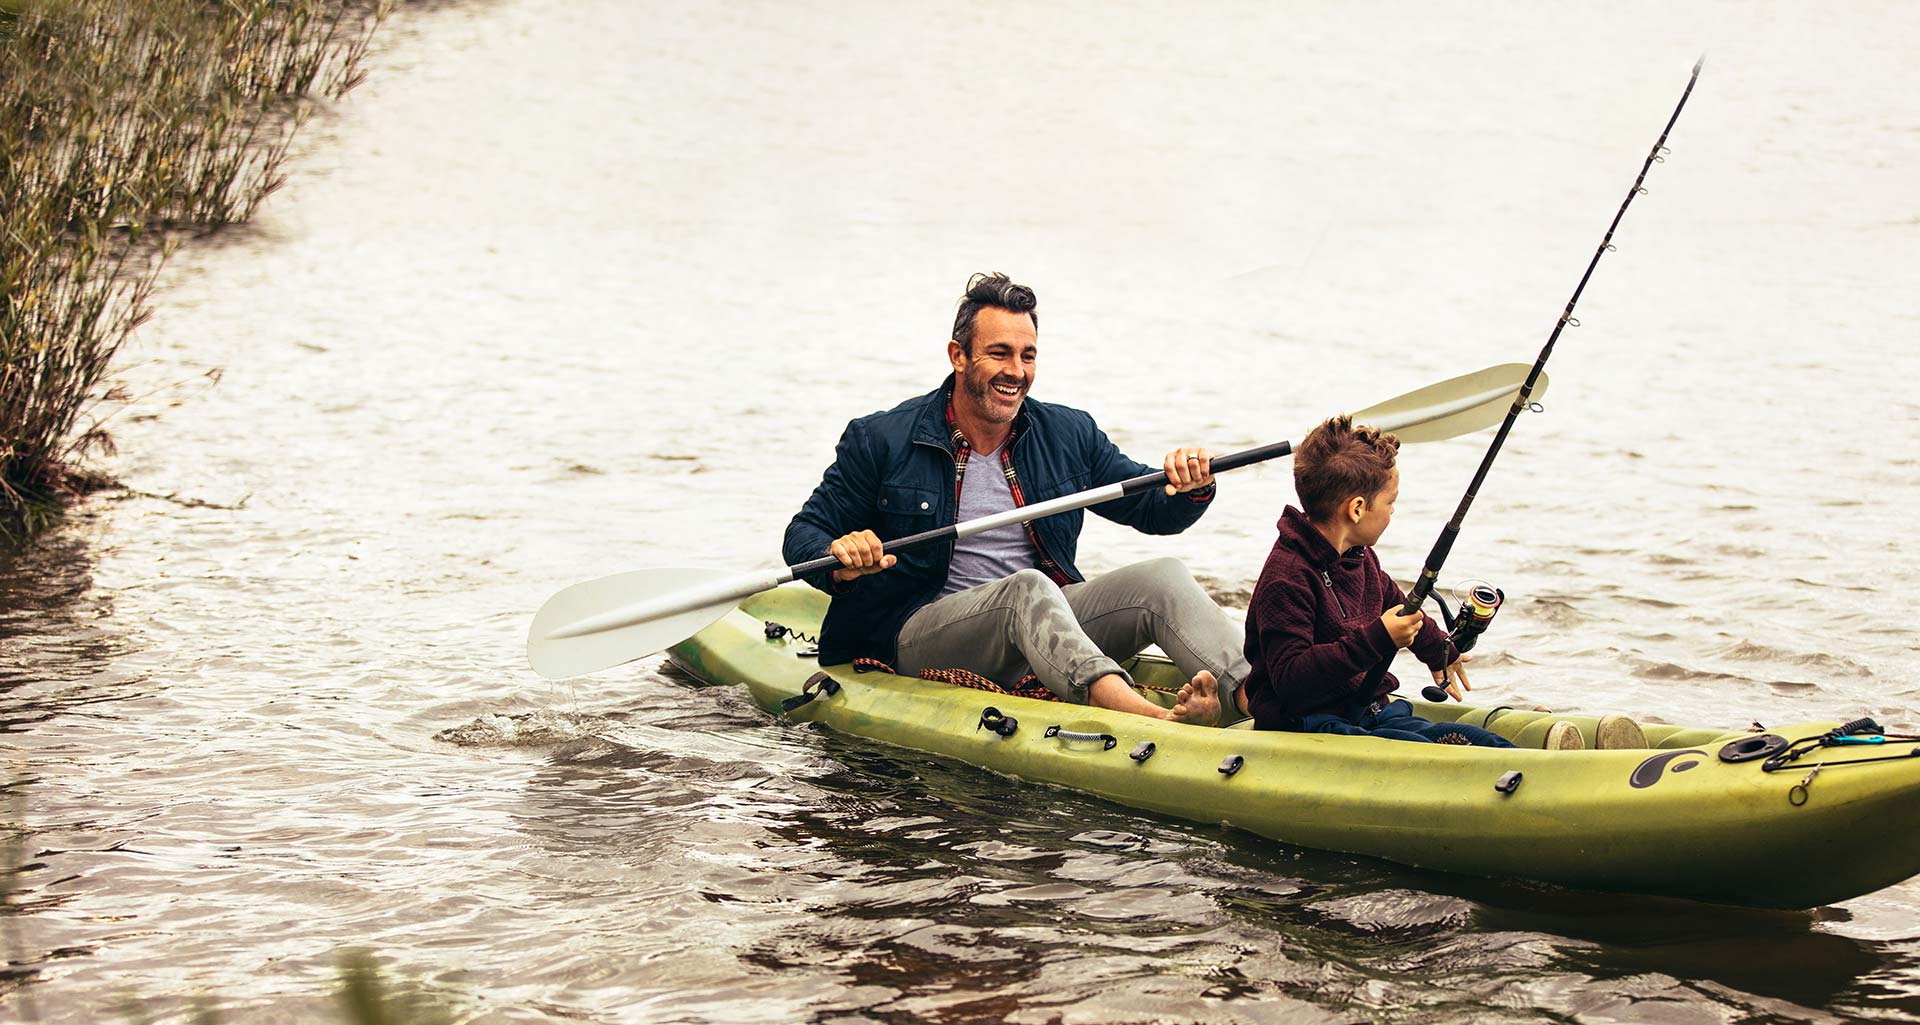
[1654, 769]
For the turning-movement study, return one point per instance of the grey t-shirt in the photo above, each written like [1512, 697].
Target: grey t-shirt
[994, 554]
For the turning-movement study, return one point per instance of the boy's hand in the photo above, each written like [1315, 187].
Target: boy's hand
[1401, 628]
[1454, 678]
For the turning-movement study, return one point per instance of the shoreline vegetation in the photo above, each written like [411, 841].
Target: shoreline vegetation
[125, 129]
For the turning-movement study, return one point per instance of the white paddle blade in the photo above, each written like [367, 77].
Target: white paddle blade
[1468, 403]
[602, 623]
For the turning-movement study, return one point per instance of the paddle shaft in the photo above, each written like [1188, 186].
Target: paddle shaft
[1442, 546]
[597, 624]
[1385, 420]
[733, 588]
[1040, 510]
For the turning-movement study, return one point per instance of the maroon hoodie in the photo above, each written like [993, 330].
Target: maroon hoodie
[1314, 630]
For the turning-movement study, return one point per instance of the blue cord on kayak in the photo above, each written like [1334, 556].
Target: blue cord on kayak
[1856, 727]
[1858, 732]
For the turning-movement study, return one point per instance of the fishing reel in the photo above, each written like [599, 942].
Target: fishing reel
[1477, 608]
[1478, 605]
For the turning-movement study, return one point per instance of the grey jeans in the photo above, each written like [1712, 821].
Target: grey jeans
[1071, 636]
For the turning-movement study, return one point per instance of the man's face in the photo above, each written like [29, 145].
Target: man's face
[1379, 513]
[995, 377]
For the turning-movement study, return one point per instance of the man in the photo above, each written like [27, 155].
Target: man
[1009, 601]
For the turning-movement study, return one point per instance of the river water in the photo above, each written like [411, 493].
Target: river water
[566, 289]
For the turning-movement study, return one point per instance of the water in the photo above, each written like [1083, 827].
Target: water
[565, 289]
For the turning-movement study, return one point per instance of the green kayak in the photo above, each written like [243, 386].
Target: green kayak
[1795, 817]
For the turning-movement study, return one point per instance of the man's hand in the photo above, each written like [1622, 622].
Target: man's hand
[1401, 628]
[860, 552]
[1454, 678]
[1187, 469]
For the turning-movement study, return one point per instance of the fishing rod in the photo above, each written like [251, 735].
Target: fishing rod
[1444, 544]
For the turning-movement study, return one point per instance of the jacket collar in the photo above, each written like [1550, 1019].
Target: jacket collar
[1303, 537]
[930, 423]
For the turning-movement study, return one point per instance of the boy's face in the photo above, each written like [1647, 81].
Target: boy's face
[1377, 512]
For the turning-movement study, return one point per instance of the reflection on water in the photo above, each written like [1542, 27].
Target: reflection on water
[59, 644]
[571, 289]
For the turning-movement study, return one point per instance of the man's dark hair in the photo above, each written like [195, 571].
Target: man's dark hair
[996, 290]
[1338, 461]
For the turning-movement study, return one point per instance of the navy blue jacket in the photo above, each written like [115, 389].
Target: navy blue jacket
[893, 473]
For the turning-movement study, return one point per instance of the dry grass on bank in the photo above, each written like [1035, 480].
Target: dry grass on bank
[124, 128]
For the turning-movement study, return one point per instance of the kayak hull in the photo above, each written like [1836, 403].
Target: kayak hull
[1676, 820]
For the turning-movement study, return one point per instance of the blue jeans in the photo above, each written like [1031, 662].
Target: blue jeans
[1396, 721]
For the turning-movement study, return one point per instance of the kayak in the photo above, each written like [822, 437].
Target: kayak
[1796, 816]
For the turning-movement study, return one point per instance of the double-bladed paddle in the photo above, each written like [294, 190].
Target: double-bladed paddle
[602, 623]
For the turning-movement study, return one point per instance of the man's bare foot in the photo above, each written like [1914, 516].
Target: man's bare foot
[1198, 702]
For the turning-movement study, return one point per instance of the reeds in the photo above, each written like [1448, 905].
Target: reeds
[124, 127]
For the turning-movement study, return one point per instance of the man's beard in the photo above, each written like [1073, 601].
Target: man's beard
[988, 401]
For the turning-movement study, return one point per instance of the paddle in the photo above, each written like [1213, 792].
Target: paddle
[602, 623]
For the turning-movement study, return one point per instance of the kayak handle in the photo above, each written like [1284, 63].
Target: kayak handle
[1107, 740]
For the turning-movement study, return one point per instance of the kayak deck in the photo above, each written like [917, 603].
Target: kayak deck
[1677, 820]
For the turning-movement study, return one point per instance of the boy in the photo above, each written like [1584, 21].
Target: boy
[1324, 612]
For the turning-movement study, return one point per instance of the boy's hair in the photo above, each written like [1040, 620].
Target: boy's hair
[996, 290]
[1338, 461]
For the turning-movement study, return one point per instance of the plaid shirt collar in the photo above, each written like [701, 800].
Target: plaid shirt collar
[963, 450]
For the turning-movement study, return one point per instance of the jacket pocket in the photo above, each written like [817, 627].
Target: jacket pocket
[905, 509]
